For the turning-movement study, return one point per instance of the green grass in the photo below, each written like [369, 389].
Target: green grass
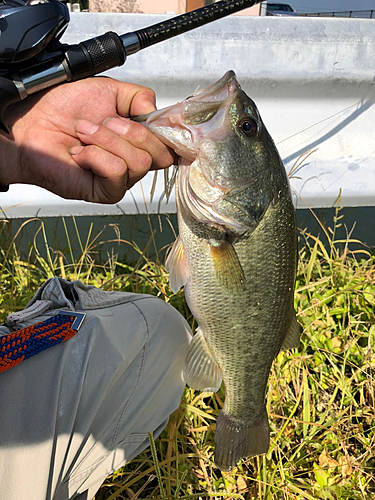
[320, 397]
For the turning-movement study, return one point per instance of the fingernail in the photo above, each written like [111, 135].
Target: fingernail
[75, 150]
[118, 125]
[85, 127]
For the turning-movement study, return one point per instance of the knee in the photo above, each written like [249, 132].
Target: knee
[167, 328]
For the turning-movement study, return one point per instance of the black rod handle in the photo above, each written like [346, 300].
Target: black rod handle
[94, 56]
[85, 59]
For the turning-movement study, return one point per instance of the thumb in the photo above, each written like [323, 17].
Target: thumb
[134, 100]
[143, 102]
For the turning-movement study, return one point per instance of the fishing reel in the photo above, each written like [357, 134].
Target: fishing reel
[29, 29]
[32, 57]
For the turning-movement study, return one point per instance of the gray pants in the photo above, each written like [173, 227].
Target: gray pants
[76, 412]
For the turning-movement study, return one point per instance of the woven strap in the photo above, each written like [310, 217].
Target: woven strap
[23, 344]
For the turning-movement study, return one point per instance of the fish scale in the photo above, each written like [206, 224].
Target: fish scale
[236, 256]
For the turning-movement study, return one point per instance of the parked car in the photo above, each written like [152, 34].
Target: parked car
[280, 9]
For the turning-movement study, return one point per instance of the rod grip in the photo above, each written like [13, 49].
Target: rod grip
[93, 56]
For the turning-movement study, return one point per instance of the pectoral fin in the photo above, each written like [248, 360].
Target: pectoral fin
[176, 266]
[292, 338]
[228, 269]
[201, 371]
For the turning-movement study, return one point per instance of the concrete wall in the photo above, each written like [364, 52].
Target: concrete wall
[313, 80]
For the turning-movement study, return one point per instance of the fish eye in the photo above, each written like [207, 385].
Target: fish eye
[248, 126]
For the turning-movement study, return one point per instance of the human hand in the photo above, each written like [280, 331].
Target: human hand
[66, 141]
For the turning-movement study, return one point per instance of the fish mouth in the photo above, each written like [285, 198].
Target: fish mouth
[202, 115]
[227, 85]
[201, 118]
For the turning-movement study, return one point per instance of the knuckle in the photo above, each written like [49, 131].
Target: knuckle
[94, 154]
[145, 160]
[142, 134]
[167, 159]
[118, 165]
[112, 142]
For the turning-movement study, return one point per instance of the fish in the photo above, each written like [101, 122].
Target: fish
[235, 256]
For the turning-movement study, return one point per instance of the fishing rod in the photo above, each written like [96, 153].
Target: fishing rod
[33, 59]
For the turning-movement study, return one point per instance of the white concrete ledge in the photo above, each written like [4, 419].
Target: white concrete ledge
[313, 80]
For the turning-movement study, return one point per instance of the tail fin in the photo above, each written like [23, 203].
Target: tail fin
[235, 440]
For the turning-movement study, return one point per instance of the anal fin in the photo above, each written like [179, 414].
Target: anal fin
[201, 371]
[292, 338]
[176, 266]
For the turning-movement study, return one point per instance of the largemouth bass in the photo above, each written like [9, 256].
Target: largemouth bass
[236, 255]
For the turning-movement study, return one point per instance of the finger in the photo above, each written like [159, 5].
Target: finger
[75, 150]
[143, 102]
[135, 162]
[143, 151]
[141, 138]
[109, 180]
[135, 101]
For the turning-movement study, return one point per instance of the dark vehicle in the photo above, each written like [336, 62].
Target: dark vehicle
[280, 9]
